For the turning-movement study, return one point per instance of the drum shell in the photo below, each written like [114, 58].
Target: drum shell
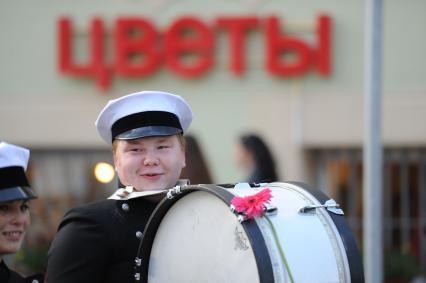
[333, 249]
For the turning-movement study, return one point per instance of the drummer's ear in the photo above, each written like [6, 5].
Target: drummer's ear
[114, 153]
[184, 162]
[182, 142]
[114, 146]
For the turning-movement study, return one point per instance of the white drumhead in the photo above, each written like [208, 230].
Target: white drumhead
[199, 240]
[311, 242]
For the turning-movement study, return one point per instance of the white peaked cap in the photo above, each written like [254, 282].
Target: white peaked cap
[14, 184]
[13, 155]
[144, 114]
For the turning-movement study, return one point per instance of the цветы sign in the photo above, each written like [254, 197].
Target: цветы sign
[186, 47]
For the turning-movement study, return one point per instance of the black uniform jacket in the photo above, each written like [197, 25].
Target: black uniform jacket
[97, 242]
[9, 276]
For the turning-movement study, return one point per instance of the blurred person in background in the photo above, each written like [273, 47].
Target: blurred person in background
[98, 242]
[196, 169]
[15, 194]
[255, 158]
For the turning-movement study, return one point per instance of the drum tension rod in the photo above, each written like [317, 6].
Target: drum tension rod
[270, 210]
[330, 205]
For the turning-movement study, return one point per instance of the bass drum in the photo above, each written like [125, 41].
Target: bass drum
[194, 236]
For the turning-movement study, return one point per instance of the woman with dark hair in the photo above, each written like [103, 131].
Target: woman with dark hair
[254, 156]
[196, 169]
[15, 195]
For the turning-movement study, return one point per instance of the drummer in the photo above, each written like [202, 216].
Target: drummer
[15, 194]
[98, 242]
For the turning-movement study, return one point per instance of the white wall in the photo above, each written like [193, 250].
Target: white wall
[39, 107]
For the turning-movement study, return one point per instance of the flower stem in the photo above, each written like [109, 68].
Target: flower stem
[283, 258]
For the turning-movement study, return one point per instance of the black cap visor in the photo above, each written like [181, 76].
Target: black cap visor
[146, 124]
[16, 193]
[149, 131]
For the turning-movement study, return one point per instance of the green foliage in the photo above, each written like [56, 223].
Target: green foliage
[33, 258]
[401, 266]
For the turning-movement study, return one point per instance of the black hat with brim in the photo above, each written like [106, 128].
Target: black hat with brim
[14, 185]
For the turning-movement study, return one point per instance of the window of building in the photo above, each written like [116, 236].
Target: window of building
[338, 172]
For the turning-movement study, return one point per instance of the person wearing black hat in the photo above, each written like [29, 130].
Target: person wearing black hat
[98, 242]
[15, 193]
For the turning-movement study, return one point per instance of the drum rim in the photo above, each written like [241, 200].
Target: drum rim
[252, 230]
[345, 232]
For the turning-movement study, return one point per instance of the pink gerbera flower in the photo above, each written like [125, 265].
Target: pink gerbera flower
[253, 205]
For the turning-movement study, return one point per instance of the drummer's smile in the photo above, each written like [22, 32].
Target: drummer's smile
[152, 176]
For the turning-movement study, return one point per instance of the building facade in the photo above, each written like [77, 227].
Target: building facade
[291, 71]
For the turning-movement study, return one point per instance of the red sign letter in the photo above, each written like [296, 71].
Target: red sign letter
[237, 27]
[322, 55]
[135, 47]
[278, 44]
[189, 47]
[96, 66]
[304, 56]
